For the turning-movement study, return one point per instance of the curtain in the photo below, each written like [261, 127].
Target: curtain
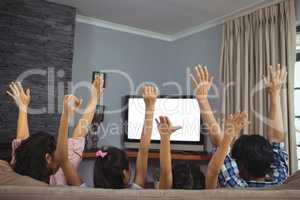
[251, 43]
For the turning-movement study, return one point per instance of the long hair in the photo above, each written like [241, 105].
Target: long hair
[108, 170]
[30, 156]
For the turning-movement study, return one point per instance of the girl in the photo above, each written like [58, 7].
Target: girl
[43, 142]
[112, 169]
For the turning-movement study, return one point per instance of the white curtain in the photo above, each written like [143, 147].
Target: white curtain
[250, 44]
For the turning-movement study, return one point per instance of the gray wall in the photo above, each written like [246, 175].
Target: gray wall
[297, 5]
[143, 59]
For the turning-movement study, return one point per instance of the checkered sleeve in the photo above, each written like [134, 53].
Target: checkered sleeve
[280, 166]
[229, 174]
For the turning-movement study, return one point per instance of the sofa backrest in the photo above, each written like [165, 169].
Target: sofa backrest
[76, 193]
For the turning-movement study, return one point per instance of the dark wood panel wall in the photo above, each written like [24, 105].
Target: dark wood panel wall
[34, 34]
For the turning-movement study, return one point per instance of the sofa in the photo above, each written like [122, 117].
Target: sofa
[76, 193]
[16, 187]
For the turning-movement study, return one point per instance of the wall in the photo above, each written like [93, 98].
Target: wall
[297, 6]
[34, 34]
[142, 59]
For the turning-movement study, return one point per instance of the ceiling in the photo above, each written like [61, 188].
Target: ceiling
[160, 16]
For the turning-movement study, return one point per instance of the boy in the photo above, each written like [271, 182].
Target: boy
[254, 161]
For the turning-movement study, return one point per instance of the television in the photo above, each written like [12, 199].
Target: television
[182, 111]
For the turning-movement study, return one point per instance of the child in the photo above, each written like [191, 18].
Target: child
[165, 129]
[234, 124]
[188, 176]
[252, 157]
[74, 145]
[39, 156]
[112, 168]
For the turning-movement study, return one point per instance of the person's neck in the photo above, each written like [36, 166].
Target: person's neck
[259, 179]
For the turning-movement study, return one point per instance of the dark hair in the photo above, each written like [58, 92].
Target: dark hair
[198, 177]
[254, 154]
[182, 176]
[108, 171]
[30, 156]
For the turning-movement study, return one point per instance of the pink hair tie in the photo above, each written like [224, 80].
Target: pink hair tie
[101, 154]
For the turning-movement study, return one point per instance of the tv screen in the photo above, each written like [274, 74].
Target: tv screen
[182, 112]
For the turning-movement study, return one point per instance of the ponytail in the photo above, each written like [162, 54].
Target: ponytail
[108, 169]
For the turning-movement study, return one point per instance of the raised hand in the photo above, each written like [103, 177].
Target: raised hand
[71, 105]
[98, 86]
[165, 127]
[235, 123]
[202, 82]
[275, 79]
[149, 94]
[20, 97]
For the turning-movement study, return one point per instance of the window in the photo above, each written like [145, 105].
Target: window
[297, 94]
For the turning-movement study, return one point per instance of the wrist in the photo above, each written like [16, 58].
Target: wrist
[274, 93]
[23, 109]
[202, 100]
[150, 107]
[165, 136]
[274, 99]
[65, 116]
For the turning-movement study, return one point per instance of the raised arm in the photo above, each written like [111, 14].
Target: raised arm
[22, 100]
[165, 130]
[81, 128]
[71, 104]
[234, 124]
[149, 94]
[202, 82]
[274, 82]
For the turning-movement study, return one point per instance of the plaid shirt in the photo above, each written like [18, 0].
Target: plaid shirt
[229, 174]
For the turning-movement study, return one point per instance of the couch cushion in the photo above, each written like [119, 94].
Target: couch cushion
[74, 193]
[9, 177]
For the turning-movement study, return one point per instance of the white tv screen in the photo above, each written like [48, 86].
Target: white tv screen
[181, 112]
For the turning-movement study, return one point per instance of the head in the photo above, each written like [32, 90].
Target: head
[198, 177]
[182, 176]
[112, 170]
[35, 157]
[254, 156]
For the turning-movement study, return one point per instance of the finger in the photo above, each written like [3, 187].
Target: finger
[202, 73]
[197, 70]
[283, 74]
[78, 103]
[194, 81]
[162, 120]
[144, 91]
[14, 91]
[265, 80]
[152, 91]
[176, 128]
[206, 75]
[230, 117]
[168, 121]
[211, 80]
[271, 71]
[19, 86]
[156, 120]
[11, 95]
[28, 92]
[278, 67]
[101, 80]
[278, 72]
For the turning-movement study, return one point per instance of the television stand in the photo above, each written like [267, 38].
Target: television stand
[189, 156]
